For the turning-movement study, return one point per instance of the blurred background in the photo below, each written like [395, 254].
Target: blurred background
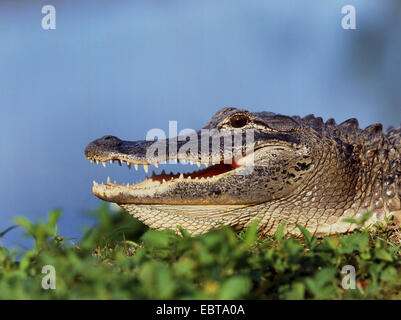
[124, 67]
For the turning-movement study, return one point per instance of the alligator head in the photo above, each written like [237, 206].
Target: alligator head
[259, 165]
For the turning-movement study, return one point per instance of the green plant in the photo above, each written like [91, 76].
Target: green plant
[119, 258]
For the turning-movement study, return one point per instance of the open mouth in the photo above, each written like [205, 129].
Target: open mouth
[201, 186]
[209, 173]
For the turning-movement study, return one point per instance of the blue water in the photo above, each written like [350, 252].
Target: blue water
[124, 67]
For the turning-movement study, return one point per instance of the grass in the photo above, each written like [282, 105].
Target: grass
[120, 259]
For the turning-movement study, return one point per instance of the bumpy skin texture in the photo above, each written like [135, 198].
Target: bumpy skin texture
[305, 172]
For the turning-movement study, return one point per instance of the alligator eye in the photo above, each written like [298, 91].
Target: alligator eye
[239, 121]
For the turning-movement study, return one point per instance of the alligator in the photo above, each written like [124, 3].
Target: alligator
[301, 171]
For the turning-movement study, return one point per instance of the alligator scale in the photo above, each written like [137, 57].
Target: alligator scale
[304, 172]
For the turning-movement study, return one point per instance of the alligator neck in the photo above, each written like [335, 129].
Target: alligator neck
[342, 188]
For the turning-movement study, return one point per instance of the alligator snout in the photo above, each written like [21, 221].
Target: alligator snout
[105, 142]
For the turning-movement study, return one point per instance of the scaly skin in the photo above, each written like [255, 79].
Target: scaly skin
[305, 172]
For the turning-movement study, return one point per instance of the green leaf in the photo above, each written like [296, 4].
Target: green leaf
[350, 220]
[383, 255]
[365, 218]
[26, 259]
[321, 281]
[184, 233]
[251, 232]
[158, 239]
[310, 240]
[24, 223]
[280, 231]
[297, 292]
[355, 241]
[235, 288]
[126, 242]
[389, 274]
[307, 235]
[360, 222]
[157, 281]
[51, 225]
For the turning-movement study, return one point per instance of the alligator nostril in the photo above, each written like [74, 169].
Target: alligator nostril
[109, 139]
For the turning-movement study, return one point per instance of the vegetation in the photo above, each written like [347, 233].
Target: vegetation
[120, 259]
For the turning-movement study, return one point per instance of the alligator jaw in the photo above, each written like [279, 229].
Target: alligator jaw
[153, 189]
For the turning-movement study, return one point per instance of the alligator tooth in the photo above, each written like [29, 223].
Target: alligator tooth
[128, 165]
[146, 168]
[95, 183]
[198, 164]
[91, 161]
[156, 164]
[164, 181]
[191, 162]
[184, 161]
[127, 185]
[108, 180]
[196, 178]
[189, 178]
[181, 176]
[111, 161]
[104, 163]
[97, 161]
[136, 166]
